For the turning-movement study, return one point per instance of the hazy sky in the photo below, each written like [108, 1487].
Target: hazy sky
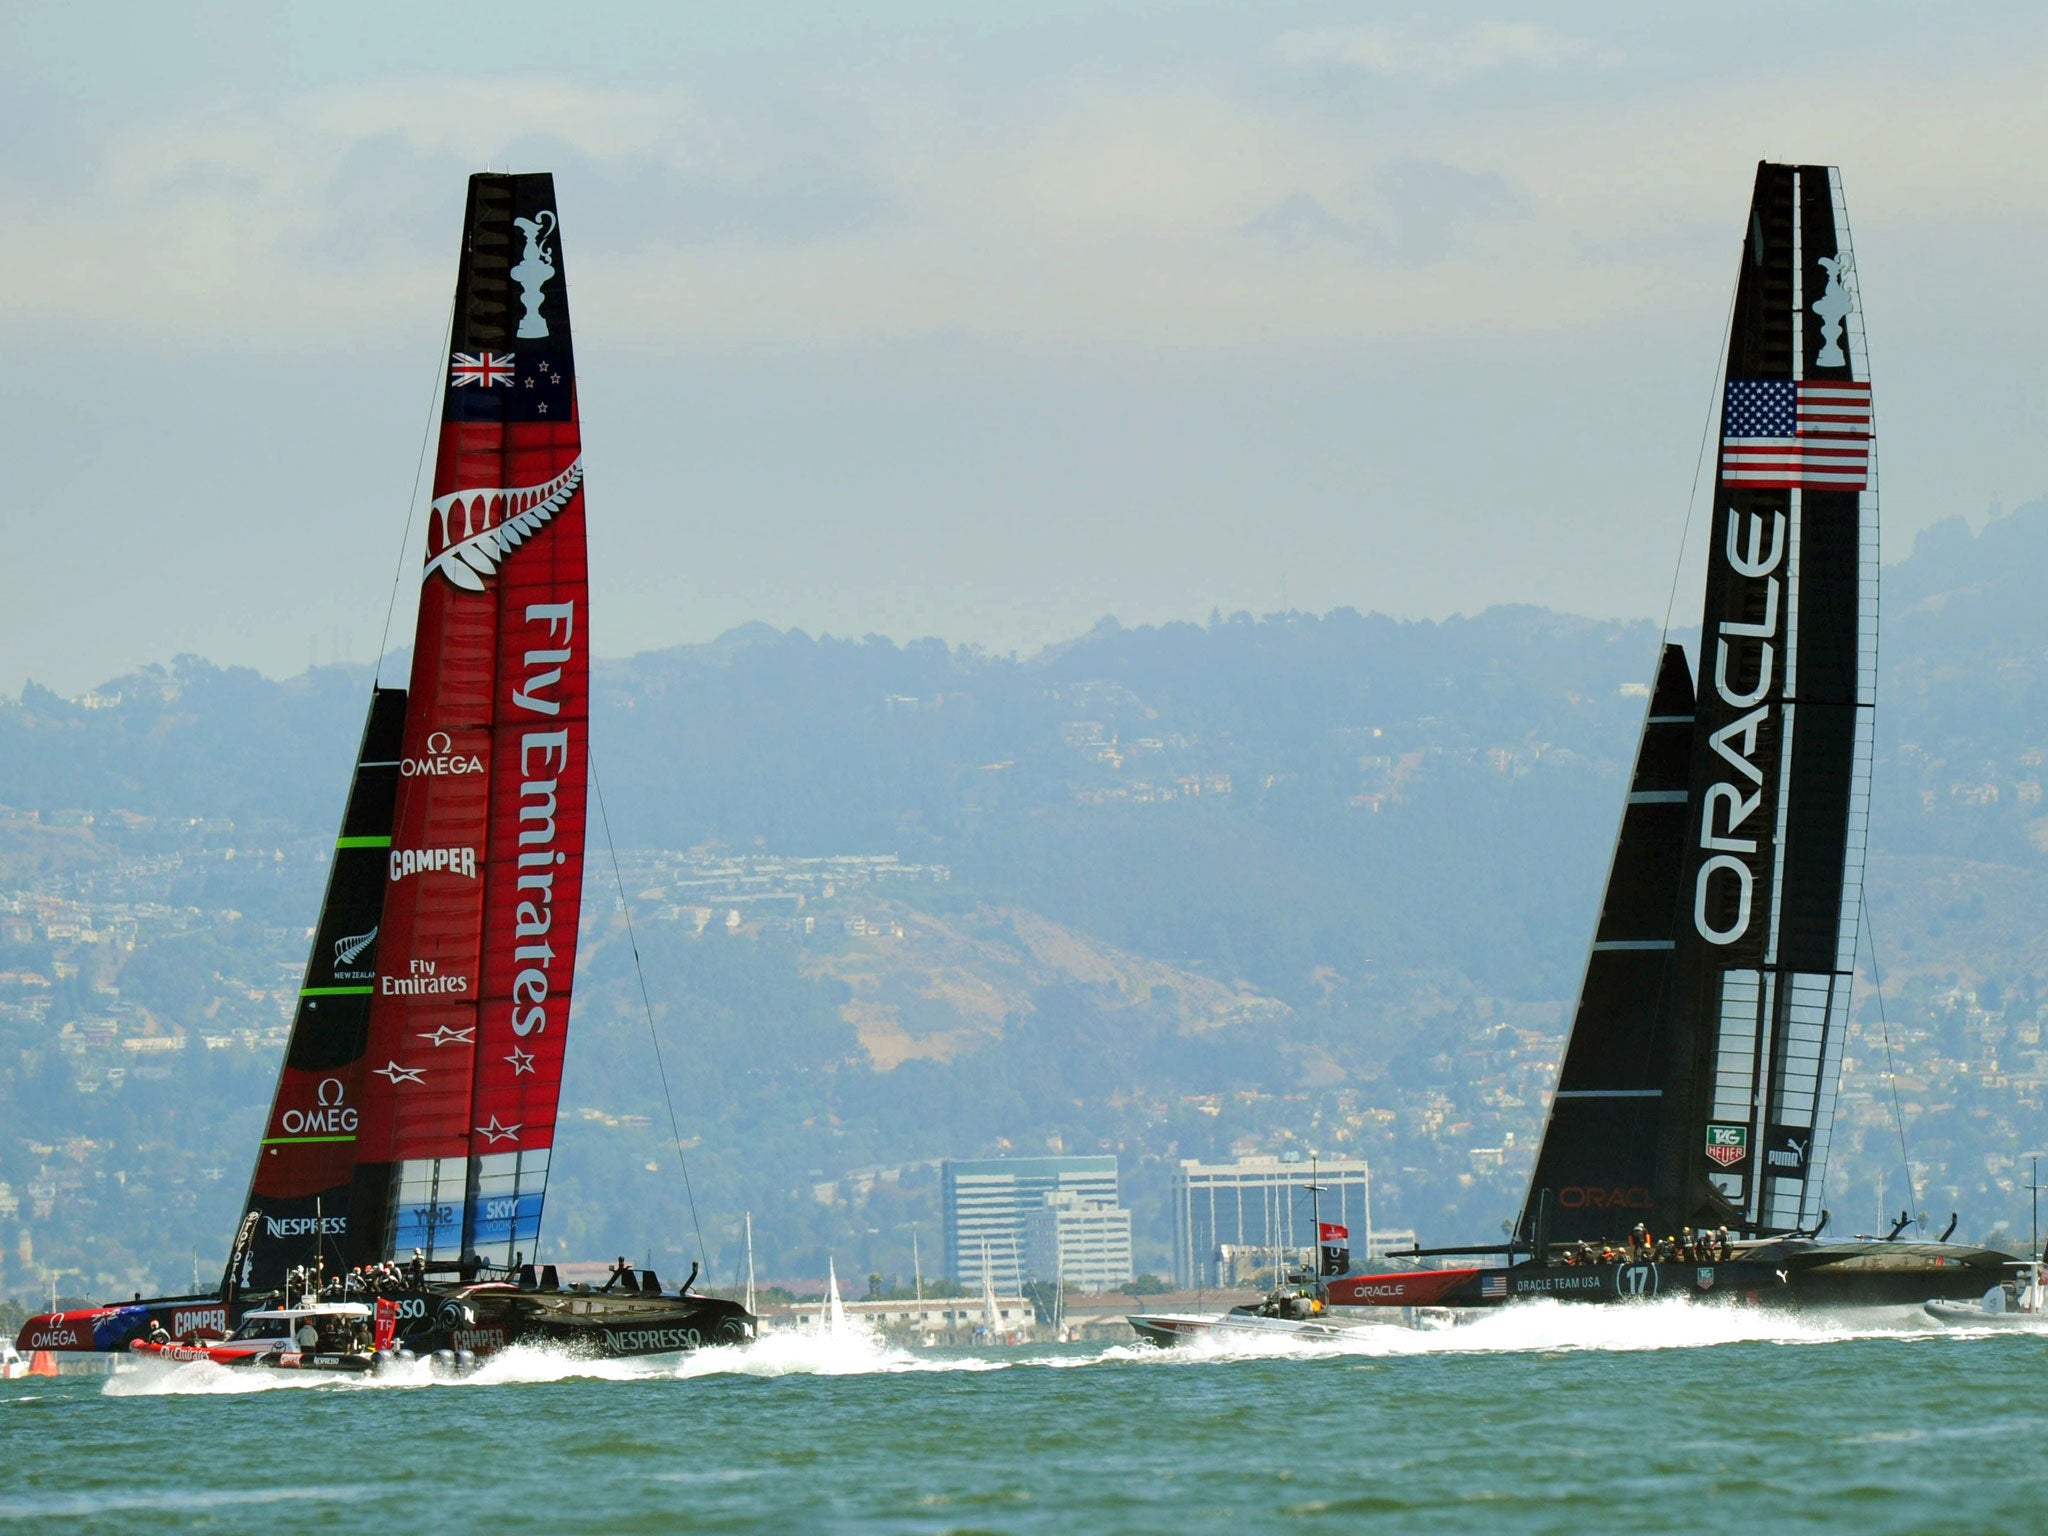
[977, 321]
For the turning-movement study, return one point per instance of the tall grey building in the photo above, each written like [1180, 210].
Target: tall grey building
[990, 1201]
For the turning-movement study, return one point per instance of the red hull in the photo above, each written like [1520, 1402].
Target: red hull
[1407, 1288]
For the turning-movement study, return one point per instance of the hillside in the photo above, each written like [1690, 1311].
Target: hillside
[1301, 881]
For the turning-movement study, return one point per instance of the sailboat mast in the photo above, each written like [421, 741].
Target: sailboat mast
[750, 1262]
[988, 1290]
[1315, 1221]
[484, 857]
[1770, 891]
[1368, 1211]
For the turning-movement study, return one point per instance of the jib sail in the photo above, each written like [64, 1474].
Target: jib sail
[302, 1196]
[484, 872]
[1596, 1170]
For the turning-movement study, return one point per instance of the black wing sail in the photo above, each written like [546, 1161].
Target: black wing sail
[302, 1191]
[1771, 887]
[1596, 1171]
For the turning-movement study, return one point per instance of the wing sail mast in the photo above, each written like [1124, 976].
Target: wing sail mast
[1698, 1086]
[485, 868]
[1780, 790]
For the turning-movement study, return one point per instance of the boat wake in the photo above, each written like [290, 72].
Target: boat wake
[523, 1364]
[851, 1349]
[1552, 1327]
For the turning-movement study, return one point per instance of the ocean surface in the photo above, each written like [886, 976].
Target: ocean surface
[1663, 1417]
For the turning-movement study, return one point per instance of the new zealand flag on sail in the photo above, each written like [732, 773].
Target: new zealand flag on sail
[523, 385]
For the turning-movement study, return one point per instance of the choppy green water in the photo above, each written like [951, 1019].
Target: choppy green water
[1658, 1418]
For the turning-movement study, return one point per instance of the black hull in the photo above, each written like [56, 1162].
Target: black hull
[480, 1318]
[1790, 1272]
[1736, 1280]
[597, 1323]
[1874, 1274]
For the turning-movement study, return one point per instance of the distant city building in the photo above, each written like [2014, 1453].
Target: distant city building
[1078, 1242]
[1385, 1240]
[988, 1203]
[952, 1316]
[1258, 1204]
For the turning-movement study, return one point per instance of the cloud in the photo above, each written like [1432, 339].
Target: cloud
[1438, 57]
[1182, 204]
[1414, 213]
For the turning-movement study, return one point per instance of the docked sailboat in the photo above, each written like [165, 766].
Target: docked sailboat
[1687, 1142]
[414, 1117]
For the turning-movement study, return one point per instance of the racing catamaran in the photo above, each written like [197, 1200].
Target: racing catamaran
[1687, 1142]
[414, 1115]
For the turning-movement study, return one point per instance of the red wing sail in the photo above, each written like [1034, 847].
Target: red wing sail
[486, 861]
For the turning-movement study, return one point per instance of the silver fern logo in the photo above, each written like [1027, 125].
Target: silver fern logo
[478, 529]
[351, 949]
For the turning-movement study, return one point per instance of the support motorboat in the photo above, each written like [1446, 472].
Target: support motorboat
[2020, 1302]
[1168, 1328]
[314, 1336]
[1297, 1307]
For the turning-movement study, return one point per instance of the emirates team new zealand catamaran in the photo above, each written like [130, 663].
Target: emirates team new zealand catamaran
[415, 1111]
[1687, 1142]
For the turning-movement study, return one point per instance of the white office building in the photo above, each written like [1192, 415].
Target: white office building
[988, 1203]
[1079, 1242]
[1258, 1205]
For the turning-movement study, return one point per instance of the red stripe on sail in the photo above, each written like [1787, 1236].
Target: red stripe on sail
[423, 1018]
[539, 777]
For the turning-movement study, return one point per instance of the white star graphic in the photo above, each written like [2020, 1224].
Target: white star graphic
[522, 1061]
[399, 1074]
[495, 1133]
[446, 1036]
[542, 408]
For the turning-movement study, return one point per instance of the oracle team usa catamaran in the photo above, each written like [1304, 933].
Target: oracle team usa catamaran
[1687, 1143]
[416, 1107]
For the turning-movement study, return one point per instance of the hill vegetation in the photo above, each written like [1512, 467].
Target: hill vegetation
[1255, 884]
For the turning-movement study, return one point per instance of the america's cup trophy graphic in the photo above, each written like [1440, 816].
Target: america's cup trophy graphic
[1832, 306]
[535, 267]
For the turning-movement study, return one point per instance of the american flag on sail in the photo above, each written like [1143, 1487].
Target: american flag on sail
[1812, 434]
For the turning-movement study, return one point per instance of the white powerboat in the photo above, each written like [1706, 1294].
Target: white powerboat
[2017, 1303]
